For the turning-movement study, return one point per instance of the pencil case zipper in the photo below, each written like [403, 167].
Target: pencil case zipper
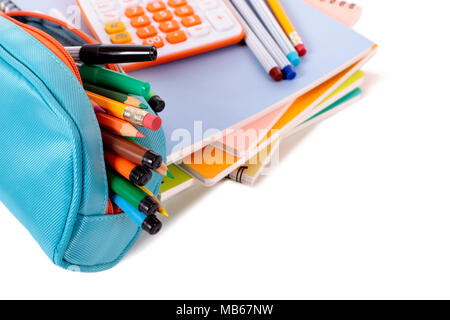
[57, 46]
[59, 50]
[51, 44]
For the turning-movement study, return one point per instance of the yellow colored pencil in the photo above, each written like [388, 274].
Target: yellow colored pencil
[122, 111]
[287, 26]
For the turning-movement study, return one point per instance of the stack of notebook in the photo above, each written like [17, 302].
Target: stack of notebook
[237, 134]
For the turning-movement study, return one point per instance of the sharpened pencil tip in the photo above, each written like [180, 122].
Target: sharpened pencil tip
[143, 106]
[163, 212]
[140, 135]
[170, 175]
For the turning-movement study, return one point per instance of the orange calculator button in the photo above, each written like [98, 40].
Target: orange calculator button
[139, 22]
[163, 15]
[134, 11]
[184, 11]
[156, 6]
[191, 21]
[177, 3]
[176, 37]
[121, 38]
[146, 32]
[115, 27]
[169, 26]
[156, 41]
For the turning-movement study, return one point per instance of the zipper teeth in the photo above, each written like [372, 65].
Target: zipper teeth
[59, 46]
[55, 43]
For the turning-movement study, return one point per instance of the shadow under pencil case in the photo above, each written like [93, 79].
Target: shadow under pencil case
[52, 173]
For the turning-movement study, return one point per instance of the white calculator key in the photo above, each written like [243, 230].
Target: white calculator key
[102, 7]
[220, 19]
[198, 31]
[128, 3]
[110, 16]
[207, 4]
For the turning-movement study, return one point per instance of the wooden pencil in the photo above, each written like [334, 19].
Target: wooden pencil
[118, 126]
[118, 96]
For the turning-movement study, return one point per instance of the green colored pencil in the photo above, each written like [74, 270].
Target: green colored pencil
[118, 96]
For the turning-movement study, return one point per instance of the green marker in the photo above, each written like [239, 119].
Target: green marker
[156, 103]
[132, 194]
[114, 95]
[114, 80]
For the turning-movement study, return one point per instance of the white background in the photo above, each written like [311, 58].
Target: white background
[358, 208]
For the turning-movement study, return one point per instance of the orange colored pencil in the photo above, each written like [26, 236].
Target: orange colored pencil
[118, 126]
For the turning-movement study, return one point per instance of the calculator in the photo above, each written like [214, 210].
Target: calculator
[178, 28]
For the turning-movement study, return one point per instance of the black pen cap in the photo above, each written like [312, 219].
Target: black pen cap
[140, 176]
[152, 225]
[148, 206]
[152, 160]
[157, 104]
[103, 54]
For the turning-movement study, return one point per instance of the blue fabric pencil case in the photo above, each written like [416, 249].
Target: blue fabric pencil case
[52, 176]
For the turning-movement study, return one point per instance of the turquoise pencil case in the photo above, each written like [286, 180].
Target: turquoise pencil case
[52, 176]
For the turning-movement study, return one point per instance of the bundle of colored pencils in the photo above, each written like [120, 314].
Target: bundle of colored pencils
[130, 166]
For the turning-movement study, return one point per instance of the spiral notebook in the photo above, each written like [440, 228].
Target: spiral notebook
[342, 11]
